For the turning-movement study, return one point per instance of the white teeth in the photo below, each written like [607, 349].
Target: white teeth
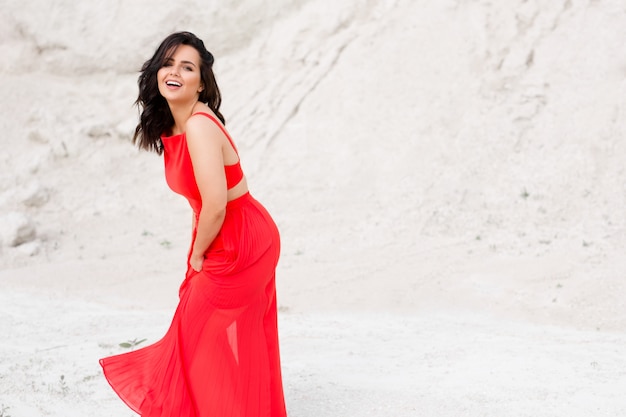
[174, 83]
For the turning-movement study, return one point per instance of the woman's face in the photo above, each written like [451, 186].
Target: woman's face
[179, 78]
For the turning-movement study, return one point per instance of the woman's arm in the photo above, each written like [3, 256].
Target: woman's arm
[205, 141]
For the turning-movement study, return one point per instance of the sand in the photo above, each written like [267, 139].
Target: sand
[448, 178]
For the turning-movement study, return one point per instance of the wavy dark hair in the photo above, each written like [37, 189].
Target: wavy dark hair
[156, 117]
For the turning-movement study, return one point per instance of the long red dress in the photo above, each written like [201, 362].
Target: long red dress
[220, 356]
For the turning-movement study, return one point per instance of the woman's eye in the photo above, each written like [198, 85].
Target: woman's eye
[189, 68]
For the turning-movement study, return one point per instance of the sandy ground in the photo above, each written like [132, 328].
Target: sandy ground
[448, 177]
[439, 363]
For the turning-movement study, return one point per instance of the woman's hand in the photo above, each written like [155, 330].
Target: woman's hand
[196, 262]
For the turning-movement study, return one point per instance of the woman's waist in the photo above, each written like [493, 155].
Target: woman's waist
[232, 204]
[245, 220]
[238, 201]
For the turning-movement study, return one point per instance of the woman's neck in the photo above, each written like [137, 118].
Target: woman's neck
[180, 113]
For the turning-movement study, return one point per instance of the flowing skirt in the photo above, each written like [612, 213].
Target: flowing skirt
[220, 356]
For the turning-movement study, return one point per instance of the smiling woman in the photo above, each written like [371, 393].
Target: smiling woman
[179, 78]
[220, 356]
[156, 116]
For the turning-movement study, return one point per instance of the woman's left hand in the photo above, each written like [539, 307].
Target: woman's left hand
[196, 262]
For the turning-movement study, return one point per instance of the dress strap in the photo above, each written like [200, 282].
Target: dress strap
[217, 122]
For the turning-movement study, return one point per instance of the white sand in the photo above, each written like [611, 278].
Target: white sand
[448, 176]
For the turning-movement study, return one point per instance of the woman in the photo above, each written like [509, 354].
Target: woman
[220, 355]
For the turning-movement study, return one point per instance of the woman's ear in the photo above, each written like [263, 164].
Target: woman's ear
[201, 89]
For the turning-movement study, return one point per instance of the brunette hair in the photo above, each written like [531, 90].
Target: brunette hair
[156, 117]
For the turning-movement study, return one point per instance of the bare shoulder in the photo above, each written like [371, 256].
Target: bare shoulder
[199, 126]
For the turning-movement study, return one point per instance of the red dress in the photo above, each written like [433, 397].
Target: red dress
[220, 356]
